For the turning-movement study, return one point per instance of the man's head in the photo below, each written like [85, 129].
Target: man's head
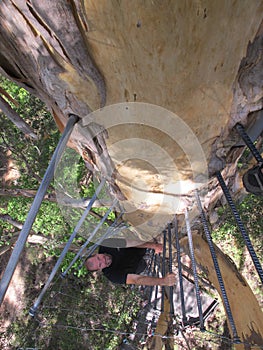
[98, 262]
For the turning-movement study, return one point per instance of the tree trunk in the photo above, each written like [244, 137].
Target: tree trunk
[174, 78]
[64, 53]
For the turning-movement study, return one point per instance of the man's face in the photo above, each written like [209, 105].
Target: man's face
[99, 261]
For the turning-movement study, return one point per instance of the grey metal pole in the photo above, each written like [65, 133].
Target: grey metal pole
[89, 239]
[171, 288]
[180, 270]
[21, 241]
[236, 338]
[34, 308]
[148, 269]
[163, 269]
[154, 275]
[158, 258]
[197, 290]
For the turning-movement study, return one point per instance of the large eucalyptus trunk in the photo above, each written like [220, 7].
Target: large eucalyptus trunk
[182, 73]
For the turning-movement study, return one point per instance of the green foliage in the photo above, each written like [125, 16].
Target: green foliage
[76, 269]
[246, 156]
[82, 311]
[24, 150]
[88, 191]
[228, 234]
[49, 221]
[70, 170]
[76, 314]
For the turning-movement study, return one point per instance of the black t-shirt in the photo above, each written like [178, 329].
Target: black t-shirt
[124, 260]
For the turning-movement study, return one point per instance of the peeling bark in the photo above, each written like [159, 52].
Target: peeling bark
[80, 55]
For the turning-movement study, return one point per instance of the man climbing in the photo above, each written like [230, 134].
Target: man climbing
[122, 261]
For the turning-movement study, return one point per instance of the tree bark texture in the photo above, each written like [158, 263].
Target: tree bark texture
[201, 61]
[78, 56]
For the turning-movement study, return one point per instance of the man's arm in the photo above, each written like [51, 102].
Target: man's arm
[151, 245]
[168, 280]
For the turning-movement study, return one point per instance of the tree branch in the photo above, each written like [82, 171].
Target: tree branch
[7, 218]
[10, 98]
[81, 203]
[33, 239]
[21, 192]
[21, 155]
[16, 119]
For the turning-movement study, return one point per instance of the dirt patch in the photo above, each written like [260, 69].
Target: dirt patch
[9, 172]
[32, 269]
[13, 303]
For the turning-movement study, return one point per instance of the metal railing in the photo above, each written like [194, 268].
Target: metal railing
[34, 308]
[22, 238]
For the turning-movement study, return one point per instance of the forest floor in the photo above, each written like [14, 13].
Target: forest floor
[14, 301]
[28, 280]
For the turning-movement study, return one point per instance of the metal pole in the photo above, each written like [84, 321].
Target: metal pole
[180, 271]
[34, 308]
[153, 325]
[163, 269]
[171, 289]
[197, 291]
[217, 269]
[241, 226]
[149, 254]
[157, 274]
[249, 143]
[147, 270]
[89, 239]
[154, 275]
[21, 241]
[110, 232]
